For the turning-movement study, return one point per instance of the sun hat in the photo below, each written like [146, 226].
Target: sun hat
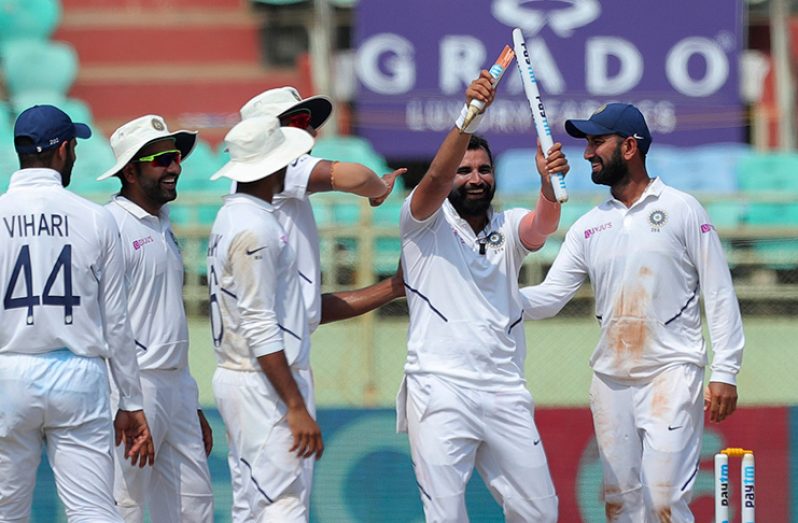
[129, 139]
[285, 100]
[48, 127]
[615, 118]
[258, 147]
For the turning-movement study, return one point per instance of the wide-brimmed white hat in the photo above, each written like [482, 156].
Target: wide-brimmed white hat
[131, 137]
[258, 147]
[284, 100]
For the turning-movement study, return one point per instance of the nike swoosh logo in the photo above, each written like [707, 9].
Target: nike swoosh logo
[536, 442]
[250, 253]
[674, 428]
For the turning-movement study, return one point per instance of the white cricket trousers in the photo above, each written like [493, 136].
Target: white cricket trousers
[649, 440]
[60, 399]
[453, 429]
[269, 482]
[177, 488]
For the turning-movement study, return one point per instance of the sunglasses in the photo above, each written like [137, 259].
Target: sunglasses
[163, 158]
[299, 119]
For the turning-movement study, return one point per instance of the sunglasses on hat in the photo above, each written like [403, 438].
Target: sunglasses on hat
[299, 119]
[163, 158]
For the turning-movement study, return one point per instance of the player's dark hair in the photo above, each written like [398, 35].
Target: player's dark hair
[478, 142]
[29, 160]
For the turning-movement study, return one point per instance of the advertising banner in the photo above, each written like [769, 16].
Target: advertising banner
[677, 61]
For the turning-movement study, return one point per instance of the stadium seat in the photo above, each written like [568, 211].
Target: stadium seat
[351, 149]
[776, 253]
[198, 168]
[39, 66]
[516, 173]
[28, 19]
[768, 172]
[77, 109]
[94, 157]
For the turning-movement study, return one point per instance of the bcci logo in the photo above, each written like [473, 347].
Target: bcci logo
[495, 239]
[157, 124]
[657, 219]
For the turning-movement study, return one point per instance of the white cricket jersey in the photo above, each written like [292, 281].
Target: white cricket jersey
[647, 265]
[256, 299]
[62, 278]
[154, 278]
[292, 209]
[465, 308]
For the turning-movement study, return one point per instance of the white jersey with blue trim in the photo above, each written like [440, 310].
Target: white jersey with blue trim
[293, 211]
[62, 278]
[154, 278]
[462, 293]
[648, 264]
[256, 299]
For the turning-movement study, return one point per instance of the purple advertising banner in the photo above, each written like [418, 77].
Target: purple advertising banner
[677, 60]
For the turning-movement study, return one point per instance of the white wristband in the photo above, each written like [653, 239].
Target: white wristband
[473, 126]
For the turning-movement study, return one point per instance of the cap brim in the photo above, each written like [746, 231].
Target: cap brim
[320, 108]
[82, 130]
[583, 128]
[184, 141]
[297, 142]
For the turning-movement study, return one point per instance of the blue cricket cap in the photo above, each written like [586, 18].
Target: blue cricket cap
[48, 127]
[616, 118]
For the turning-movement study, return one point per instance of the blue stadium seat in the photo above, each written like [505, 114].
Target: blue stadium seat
[516, 173]
[94, 157]
[39, 66]
[198, 168]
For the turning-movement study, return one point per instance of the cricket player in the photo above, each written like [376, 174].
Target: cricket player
[64, 314]
[305, 176]
[464, 401]
[178, 487]
[649, 251]
[260, 328]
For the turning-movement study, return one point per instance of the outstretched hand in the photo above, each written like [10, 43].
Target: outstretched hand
[389, 180]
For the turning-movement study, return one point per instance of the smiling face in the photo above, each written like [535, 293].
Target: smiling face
[151, 184]
[607, 164]
[474, 184]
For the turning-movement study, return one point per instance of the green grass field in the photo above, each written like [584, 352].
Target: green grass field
[352, 371]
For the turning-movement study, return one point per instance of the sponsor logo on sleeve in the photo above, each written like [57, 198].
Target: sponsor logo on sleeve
[707, 227]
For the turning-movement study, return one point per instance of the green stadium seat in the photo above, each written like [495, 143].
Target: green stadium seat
[768, 172]
[39, 66]
[350, 149]
[776, 253]
[94, 157]
[77, 109]
[198, 168]
[28, 19]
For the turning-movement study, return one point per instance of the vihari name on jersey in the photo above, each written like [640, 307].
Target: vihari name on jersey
[37, 224]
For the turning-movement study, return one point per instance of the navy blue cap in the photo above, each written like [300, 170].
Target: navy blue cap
[615, 118]
[48, 127]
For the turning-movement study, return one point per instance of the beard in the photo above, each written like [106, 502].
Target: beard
[466, 206]
[613, 172]
[155, 192]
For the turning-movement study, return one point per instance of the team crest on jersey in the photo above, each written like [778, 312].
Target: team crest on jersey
[657, 219]
[495, 239]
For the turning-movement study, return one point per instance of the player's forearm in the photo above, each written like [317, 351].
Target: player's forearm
[436, 184]
[276, 368]
[536, 226]
[337, 306]
[357, 179]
